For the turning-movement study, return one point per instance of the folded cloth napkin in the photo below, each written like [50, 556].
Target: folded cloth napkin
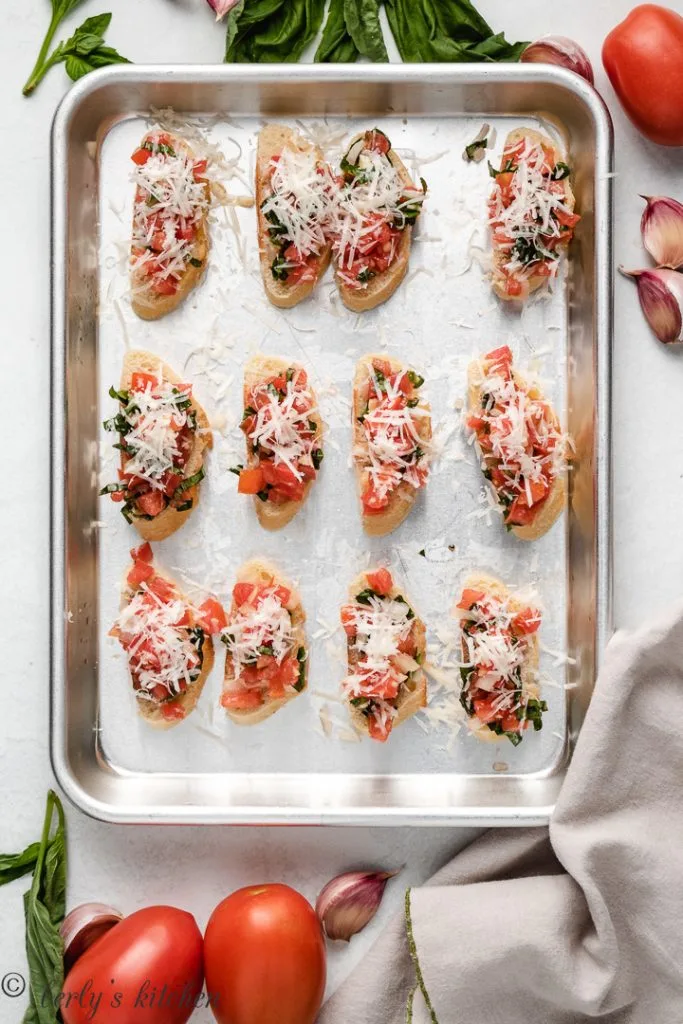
[579, 922]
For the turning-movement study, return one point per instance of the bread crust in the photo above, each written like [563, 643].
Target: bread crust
[535, 281]
[147, 304]
[403, 497]
[383, 286]
[151, 712]
[551, 509]
[170, 520]
[410, 699]
[259, 570]
[529, 675]
[272, 139]
[259, 368]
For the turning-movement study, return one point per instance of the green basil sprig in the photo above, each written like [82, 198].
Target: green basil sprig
[84, 51]
[44, 910]
[266, 31]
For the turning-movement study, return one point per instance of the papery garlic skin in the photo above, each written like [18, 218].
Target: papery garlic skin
[661, 299]
[221, 7]
[84, 925]
[662, 229]
[350, 901]
[562, 51]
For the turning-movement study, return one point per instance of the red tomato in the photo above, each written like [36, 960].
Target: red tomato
[348, 620]
[141, 156]
[212, 616]
[242, 700]
[379, 732]
[152, 503]
[251, 481]
[243, 592]
[143, 553]
[264, 958]
[129, 967]
[526, 621]
[164, 286]
[141, 571]
[140, 381]
[164, 590]
[643, 57]
[380, 581]
[470, 598]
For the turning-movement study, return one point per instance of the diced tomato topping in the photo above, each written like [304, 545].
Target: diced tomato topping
[348, 620]
[172, 712]
[470, 598]
[567, 220]
[186, 232]
[140, 572]
[513, 286]
[242, 700]
[199, 169]
[380, 581]
[141, 156]
[539, 489]
[143, 553]
[283, 595]
[164, 286]
[242, 593]
[373, 502]
[152, 503]
[164, 590]
[525, 622]
[499, 356]
[519, 513]
[140, 381]
[510, 722]
[486, 710]
[377, 141]
[251, 481]
[377, 731]
[212, 618]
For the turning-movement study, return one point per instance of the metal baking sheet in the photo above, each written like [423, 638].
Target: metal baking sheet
[304, 764]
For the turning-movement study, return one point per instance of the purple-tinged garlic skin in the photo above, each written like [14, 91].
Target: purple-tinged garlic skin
[562, 51]
[82, 926]
[661, 227]
[221, 7]
[350, 901]
[661, 299]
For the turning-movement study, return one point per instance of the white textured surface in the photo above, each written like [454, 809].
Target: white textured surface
[196, 867]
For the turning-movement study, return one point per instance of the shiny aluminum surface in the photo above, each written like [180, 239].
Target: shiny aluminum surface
[108, 792]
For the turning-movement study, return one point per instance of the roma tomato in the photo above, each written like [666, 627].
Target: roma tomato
[146, 970]
[264, 958]
[643, 57]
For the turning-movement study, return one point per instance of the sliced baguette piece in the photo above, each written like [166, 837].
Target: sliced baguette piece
[258, 369]
[146, 303]
[553, 506]
[404, 496]
[535, 281]
[170, 520]
[530, 688]
[186, 703]
[383, 286]
[259, 570]
[410, 698]
[272, 139]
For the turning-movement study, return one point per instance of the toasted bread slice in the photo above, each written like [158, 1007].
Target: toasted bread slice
[412, 696]
[383, 286]
[529, 676]
[260, 571]
[551, 509]
[272, 139]
[170, 520]
[403, 497]
[259, 368]
[146, 303]
[534, 281]
[153, 713]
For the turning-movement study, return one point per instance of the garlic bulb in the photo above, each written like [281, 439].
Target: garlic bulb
[82, 926]
[662, 229]
[350, 901]
[661, 299]
[221, 7]
[562, 51]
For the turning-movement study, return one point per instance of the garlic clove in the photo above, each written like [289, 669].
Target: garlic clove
[661, 299]
[562, 51]
[348, 902]
[221, 7]
[83, 926]
[662, 229]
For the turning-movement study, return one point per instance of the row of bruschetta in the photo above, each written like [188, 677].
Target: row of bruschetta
[168, 643]
[163, 434]
[360, 215]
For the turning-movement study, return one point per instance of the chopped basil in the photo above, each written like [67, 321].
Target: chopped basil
[302, 658]
[402, 600]
[560, 171]
[475, 146]
[263, 495]
[312, 426]
[194, 262]
[159, 147]
[317, 456]
[236, 469]
[380, 379]
[422, 552]
[290, 374]
[249, 411]
[121, 396]
[412, 402]
[509, 167]
[265, 649]
[279, 268]
[366, 275]
[185, 506]
[415, 379]
[191, 481]
[365, 595]
[112, 488]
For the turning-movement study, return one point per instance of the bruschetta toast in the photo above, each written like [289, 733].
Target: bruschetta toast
[170, 243]
[163, 435]
[284, 436]
[499, 671]
[266, 664]
[167, 643]
[392, 430]
[531, 214]
[386, 644]
[371, 221]
[521, 448]
[292, 187]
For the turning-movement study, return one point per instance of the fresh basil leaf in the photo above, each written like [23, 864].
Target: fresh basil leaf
[231, 23]
[14, 865]
[60, 8]
[76, 67]
[336, 45]
[103, 56]
[275, 30]
[496, 48]
[446, 30]
[97, 25]
[85, 44]
[363, 25]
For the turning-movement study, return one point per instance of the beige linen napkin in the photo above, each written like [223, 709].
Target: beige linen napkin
[578, 923]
